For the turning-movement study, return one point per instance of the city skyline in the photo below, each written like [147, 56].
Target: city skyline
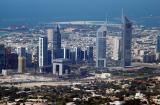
[62, 52]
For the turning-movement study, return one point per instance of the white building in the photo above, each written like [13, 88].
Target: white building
[115, 47]
[43, 53]
[61, 67]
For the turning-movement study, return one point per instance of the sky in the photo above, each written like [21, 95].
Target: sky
[43, 10]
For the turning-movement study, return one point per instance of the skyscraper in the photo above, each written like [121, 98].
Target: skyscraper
[2, 57]
[21, 51]
[21, 64]
[11, 61]
[158, 48]
[66, 53]
[126, 42]
[101, 46]
[115, 48]
[50, 33]
[43, 53]
[78, 55]
[90, 54]
[56, 43]
[158, 44]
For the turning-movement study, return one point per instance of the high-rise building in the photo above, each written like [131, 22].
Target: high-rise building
[57, 43]
[49, 57]
[85, 56]
[158, 48]
[29, 60]
[158, 44]
[90, 54]
[21, 51]
[2, 57]
[21, 64]
[115, 48]
[101, 47]
[78, 55]
[50, 35]
[72, 57]
[66, 53]
[126, 42]
[11, 61]
[43, 53]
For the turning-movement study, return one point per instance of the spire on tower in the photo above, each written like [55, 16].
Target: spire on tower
[122, 16]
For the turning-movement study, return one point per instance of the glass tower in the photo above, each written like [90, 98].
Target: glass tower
[43, 52]
[101, 47]
[126, 42]
[57, 43]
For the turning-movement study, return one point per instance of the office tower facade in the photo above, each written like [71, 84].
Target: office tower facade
[43, 53]
[78, 55]
[50, 35]
[66, 53]
[49, 57]
[126, 42]
[158, 44]
[90, 54]
[101, 47]
[116, 48]
[158, 48]
[21, 51]
[56, 43]
[2, 57]
[29, 60]
[149, 58]
[85, 55]
[72, 57]
[21, 64]
[11, 61]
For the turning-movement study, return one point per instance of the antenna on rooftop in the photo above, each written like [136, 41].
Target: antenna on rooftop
[122, 16]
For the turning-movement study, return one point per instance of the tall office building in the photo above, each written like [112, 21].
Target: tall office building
[72, 57]
[90, 54]
[29, 60]
[11, 61]
[78, 55]
[21, 51]
[43, 53]
[2, 57]
[66, 53]
[21, 64]
[85, 55]
[57, 43]
[126, 42]
[50, 33]
[101, 46]
[158, 48]
[158, 44]
[115, 48]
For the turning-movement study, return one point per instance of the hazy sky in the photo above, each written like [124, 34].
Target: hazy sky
[75, 9]
[42, 7]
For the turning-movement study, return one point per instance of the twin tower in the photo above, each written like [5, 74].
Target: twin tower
[125, 44]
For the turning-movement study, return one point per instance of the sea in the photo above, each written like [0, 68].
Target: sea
[33, 12]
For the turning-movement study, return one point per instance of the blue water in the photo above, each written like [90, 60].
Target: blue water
[145, 12]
